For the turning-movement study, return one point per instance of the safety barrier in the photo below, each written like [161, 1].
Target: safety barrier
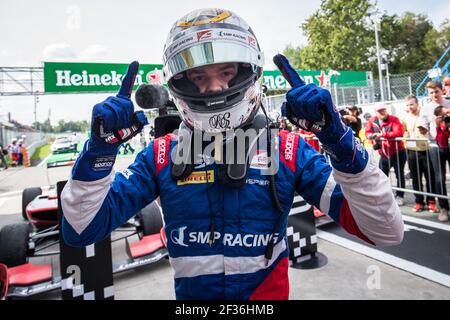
[421, 162]
[302, 238]
[433, 178]
[86, 273]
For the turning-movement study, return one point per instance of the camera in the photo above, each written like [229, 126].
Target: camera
[376, 142]
[344, 112]
[446, 118]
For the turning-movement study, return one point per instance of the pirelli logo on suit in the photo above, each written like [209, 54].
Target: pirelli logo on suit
[198, 177]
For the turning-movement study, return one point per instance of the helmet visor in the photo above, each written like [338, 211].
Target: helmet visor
[211, 53]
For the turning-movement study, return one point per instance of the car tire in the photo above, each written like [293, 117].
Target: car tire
[14, 244]
[28, 195]
[150, 219]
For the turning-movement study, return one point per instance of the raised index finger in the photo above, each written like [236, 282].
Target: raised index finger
[128, 80]
[287, 71]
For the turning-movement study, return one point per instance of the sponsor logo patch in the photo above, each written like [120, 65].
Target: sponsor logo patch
[161, 151]
[127, 173]
[261, 183]
[198, 178]
[289, 151]
[103, 163]
[260, 160]
[251, 41]
[205, 34]
[182, 237]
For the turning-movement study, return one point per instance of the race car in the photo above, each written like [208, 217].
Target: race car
[40, 210]
[22, 242]
[63, 145]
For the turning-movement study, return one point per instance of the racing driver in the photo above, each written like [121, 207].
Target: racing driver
[226, 222]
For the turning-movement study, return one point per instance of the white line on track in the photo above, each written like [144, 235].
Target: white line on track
[400, 263]
[427, 223]
[44, 161]
[13, 193]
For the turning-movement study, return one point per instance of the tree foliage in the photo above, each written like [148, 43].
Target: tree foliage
[63, 126]
[341, 36]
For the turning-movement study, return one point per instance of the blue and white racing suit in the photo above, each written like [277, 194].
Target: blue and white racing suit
[234, 266]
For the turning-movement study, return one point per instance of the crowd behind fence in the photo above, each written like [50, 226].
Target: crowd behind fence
[433, 181]
[431, 184]
[395, 87]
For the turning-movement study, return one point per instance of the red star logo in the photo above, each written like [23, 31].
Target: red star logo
[321, 78]
[154, 77]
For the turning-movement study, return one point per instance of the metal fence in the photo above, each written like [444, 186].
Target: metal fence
[423, 168]
[422, 173]
[33, 139]
[395, 87]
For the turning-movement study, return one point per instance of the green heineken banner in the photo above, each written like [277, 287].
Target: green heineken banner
[65, 77]
[323, 78]
[73, 77]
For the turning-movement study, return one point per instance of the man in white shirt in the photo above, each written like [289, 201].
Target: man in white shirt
[436, 94]
[418, 156]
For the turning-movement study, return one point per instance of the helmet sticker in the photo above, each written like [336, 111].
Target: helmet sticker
[212, 19]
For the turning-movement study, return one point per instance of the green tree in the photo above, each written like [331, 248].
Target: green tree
[71, 126]
[436, 41]
[404, 40]
[46, 126]
[341, 36]
[338, 37]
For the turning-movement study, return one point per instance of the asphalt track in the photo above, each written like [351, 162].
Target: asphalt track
[424, 250]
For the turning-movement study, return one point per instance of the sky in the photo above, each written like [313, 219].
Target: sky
[32, 32]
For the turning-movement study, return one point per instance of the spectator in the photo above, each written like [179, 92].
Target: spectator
[24, 139]
[310, 138]
[20, 146]
[446, 82]
[142, 140]
[3, 153]
[14, 149]
[418, 157]
[350, 116]
[436, 93]
[152, 133]
[442, 135]
[127, 146]
[284, 125]
[75, 141]
[393, 153]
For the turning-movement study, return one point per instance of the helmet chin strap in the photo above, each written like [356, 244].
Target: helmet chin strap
[231, 172]
[182, 156]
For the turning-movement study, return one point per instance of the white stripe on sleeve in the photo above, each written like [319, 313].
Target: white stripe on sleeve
[81, 200]
[372, 204]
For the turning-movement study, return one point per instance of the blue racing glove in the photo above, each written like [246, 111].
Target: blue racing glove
[113, 123]
[311, 108]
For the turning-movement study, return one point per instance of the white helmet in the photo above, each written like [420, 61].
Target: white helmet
[206, 37]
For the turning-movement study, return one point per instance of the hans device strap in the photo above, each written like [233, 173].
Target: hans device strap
[232, 173]
[182, 156]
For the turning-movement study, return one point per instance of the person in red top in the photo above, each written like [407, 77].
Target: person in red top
[446, 83]
[310, 138]
[442, 135]
[393, 153]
